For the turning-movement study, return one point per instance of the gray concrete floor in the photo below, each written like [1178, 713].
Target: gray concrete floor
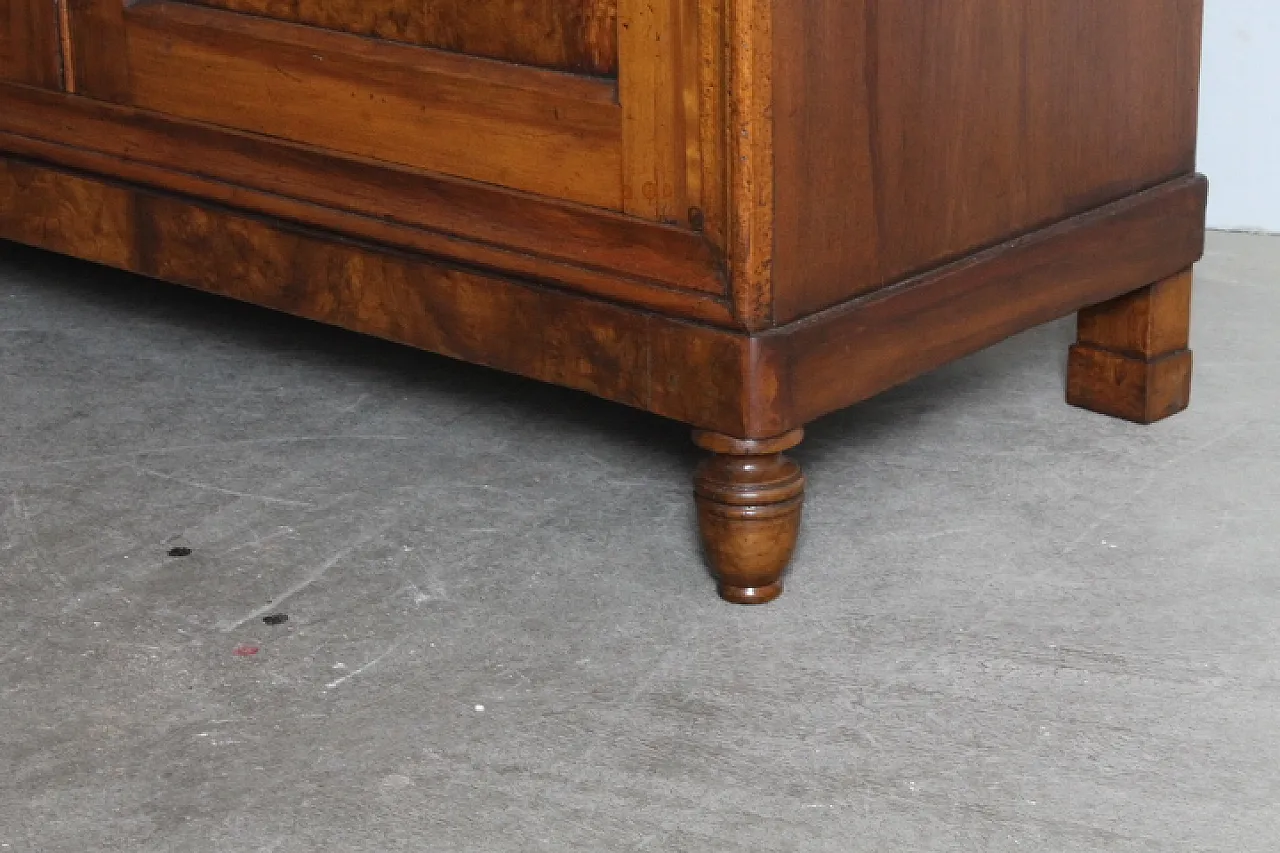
[1011, 625]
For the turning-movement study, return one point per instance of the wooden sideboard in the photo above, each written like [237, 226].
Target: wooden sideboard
[740, 214]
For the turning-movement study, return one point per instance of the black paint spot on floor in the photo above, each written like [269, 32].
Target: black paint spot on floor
[180, 551]
[276, 618]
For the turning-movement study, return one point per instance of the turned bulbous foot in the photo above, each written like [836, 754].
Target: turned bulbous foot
[749, 498]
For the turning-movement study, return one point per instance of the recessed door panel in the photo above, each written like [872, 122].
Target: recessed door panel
[598, 102]
[527, 128]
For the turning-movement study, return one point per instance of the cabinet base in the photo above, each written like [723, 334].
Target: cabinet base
[750, 394]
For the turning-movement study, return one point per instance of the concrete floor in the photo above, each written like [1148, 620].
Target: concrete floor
[1011, 625]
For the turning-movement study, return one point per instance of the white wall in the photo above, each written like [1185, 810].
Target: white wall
[1240, 113]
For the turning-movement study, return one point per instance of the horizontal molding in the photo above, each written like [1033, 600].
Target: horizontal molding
[683, 371]
[856, 350]
[748, 386]
[605, 254]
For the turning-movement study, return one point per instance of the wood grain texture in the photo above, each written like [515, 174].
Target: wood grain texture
[618, 286]
[657, 79]
[692, 22]
[909, 133]
[29, 50]
[521, 128]
[607, 254]
[1147, 323]
[49, 209]
[884, 187]
[66, 51]
[748, 386]
[690, 373]
[711, 110]
[851, 353]
[749, 129]
[1131, 359]
[98, 45]
[750, 499]
[569, 35]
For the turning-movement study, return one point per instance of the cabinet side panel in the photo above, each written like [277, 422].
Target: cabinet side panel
[909, 133]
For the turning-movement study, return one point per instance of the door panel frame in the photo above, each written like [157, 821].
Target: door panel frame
[99, 67]
[525, 128]
[529, 129]
[29, 43]
[670, 86]
[662, 169]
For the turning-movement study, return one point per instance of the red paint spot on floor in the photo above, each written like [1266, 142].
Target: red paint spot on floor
[245, 651]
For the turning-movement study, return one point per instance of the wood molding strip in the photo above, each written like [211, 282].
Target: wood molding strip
[461, 212]
[749, 86]
[551, 273]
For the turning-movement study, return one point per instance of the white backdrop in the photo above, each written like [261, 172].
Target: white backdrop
[1239, 145]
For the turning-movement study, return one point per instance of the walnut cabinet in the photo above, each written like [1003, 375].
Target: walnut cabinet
[739, 214]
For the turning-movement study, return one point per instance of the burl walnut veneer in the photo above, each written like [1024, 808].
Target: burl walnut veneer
[740, 214]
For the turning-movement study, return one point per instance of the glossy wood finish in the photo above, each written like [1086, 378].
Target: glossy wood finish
[707, 154]
[29, 50]
[633, 144]
[917, 131]
[569, 35]
[739, 385]
[523, 128]
[63, 213]
[773, 210]
[753, 386]
[853, 352]
[750, 159]
[750, 497]
[610, 255]
[99, 49]
[690, 373]
[1131, 359]
[736, 385]
[668, 175]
